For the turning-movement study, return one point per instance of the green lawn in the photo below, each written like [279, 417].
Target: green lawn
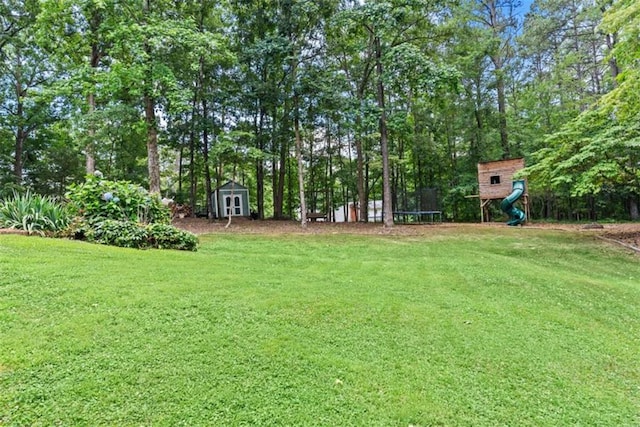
[492, 327]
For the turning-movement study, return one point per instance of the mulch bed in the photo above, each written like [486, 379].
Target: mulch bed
[626, 233]
[13, 231]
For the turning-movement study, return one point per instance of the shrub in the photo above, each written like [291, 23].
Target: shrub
[164, 236]
[119, 213]
[98, 199]
[8, 189]
[128, 234]
[34, 213]
[78, 229]
[125, 234]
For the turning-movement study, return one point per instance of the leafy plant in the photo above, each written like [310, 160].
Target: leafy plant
[34, 213]
[121, 214]
[125, 234]
[99, 199]
[128, 234]
[9, 188]
[164, 236]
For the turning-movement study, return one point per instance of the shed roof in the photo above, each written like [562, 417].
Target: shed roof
[229, 184]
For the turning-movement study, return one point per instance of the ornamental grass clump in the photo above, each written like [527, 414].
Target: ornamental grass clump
[33, 213]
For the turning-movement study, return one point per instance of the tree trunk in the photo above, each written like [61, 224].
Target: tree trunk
[205, 158]
[274, 169]
[278, 200]
[260, 165]
[20, 133]
[502, 114]
[180, 158]
[192, 158]
[90, 160]
[633, 208]
[387, 208]
[152, 145]
[476, 149]
[362, 194]
[499, 24]
[153, 157]
[614, 69]
[313, 189]
[363, 204]
[296, 129]
[329, 186]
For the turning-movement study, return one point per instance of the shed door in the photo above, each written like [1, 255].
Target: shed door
[233, 208]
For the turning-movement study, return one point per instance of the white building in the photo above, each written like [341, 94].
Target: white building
[349, 212]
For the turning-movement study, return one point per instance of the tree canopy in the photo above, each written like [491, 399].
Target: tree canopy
[318, 105]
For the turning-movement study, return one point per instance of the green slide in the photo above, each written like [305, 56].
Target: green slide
[516, 216]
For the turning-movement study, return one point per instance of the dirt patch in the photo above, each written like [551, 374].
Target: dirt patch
[628, 233]
[630, 239]
[625, 234]
[273, 227]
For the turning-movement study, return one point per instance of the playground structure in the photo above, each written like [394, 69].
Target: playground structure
[495, 180]
[419, 206]
[516, 216]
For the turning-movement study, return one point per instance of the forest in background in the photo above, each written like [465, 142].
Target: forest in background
[318, 103]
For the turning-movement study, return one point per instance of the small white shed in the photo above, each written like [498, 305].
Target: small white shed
[231, 199]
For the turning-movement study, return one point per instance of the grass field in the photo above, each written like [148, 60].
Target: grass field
[475, 328]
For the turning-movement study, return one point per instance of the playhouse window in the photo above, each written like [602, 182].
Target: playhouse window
[495, 179]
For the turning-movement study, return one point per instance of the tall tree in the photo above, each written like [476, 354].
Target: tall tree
[392, 28]
[23, 71]
[598, 150]
[75, 32]
[500, 25]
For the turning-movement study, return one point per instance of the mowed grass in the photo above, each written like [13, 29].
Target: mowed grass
[494, 327]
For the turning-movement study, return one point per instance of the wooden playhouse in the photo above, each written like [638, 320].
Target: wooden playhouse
[495, 181]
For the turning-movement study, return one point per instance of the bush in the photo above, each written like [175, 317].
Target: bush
[119, 213]
[98, 199]
[164, 236]
[33, 213]
[125, 234]
[7, 189]
[128, 234]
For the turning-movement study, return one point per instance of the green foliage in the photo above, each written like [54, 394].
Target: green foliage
[121, 214]
[164, 236]
[595, 151]
[33, 213]
[98, 199]
[457, 206]
[128, 234]
[224, 75]
[125, 234]
[591, 146]
[8, 189]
